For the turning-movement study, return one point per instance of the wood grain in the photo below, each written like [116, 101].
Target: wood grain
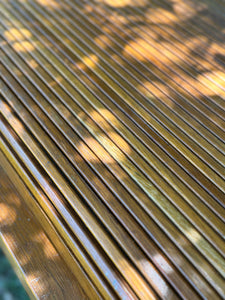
[112, 115]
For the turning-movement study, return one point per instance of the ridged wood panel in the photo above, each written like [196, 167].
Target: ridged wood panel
[114, 112]
[24, 237]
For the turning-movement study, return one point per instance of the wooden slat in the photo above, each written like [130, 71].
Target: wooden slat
[112, 113]
[28, 247]
[126, 90]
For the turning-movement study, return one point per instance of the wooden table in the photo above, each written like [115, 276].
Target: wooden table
[112, 147]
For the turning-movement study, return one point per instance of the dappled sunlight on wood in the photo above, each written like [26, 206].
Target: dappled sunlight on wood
[169, 50]
[24, 259]
[7, 215]
[98, 150]
[164, 265]
[16, 123]
[31, 248]
[23, 46]
[215, 80]
[156, 281]
[56, 81]
[88, 61]
[104, 141]
[203, 84]
[112, 148]
[48, 248]
[112, 120]
[161, 16]
[103, 122]
[88, 8]
[216, 49]
[119, 20]
[13, 34]
[100, 120]
[122, 3]
[143, 50]
[139, 49]
[49, 3]
[193, 235]
[22, 34]
[35, 279]
[199, 86]
[181, 10]
[14, 200]
[103, 41]
[120, 142]
[113, 153]
[33, 64]
[156, 91]
[193, 42]
[130, 274]
[10, 239]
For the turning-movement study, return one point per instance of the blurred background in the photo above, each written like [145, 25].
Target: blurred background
[10, 286]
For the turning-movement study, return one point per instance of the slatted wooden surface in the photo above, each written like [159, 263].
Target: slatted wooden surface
[24, 237]
[113, 117]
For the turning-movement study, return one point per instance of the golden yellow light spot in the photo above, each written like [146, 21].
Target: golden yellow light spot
[88, 8]
[23, 46]
[100, 120]
[33, 64]
[162, 16]
[193, 42]
[7, 214]
[120, 142]
[214, 80]
[143, 50]
[91, 60]
[13, 34]
[193, 235]
[217, 76]
[88, 61]
[49, 3]
[102, 117]
[158, 90]
[117, 19]
[97, 149]
[49, 249]
[121, 3]
[112, 149]
[129, 272]
[139, 49]
[108, 115]
[16, 124]
[103, 41]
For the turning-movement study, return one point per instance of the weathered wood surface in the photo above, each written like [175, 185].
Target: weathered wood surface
[113, 119]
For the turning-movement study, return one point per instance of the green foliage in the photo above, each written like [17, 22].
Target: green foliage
[10, 286]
